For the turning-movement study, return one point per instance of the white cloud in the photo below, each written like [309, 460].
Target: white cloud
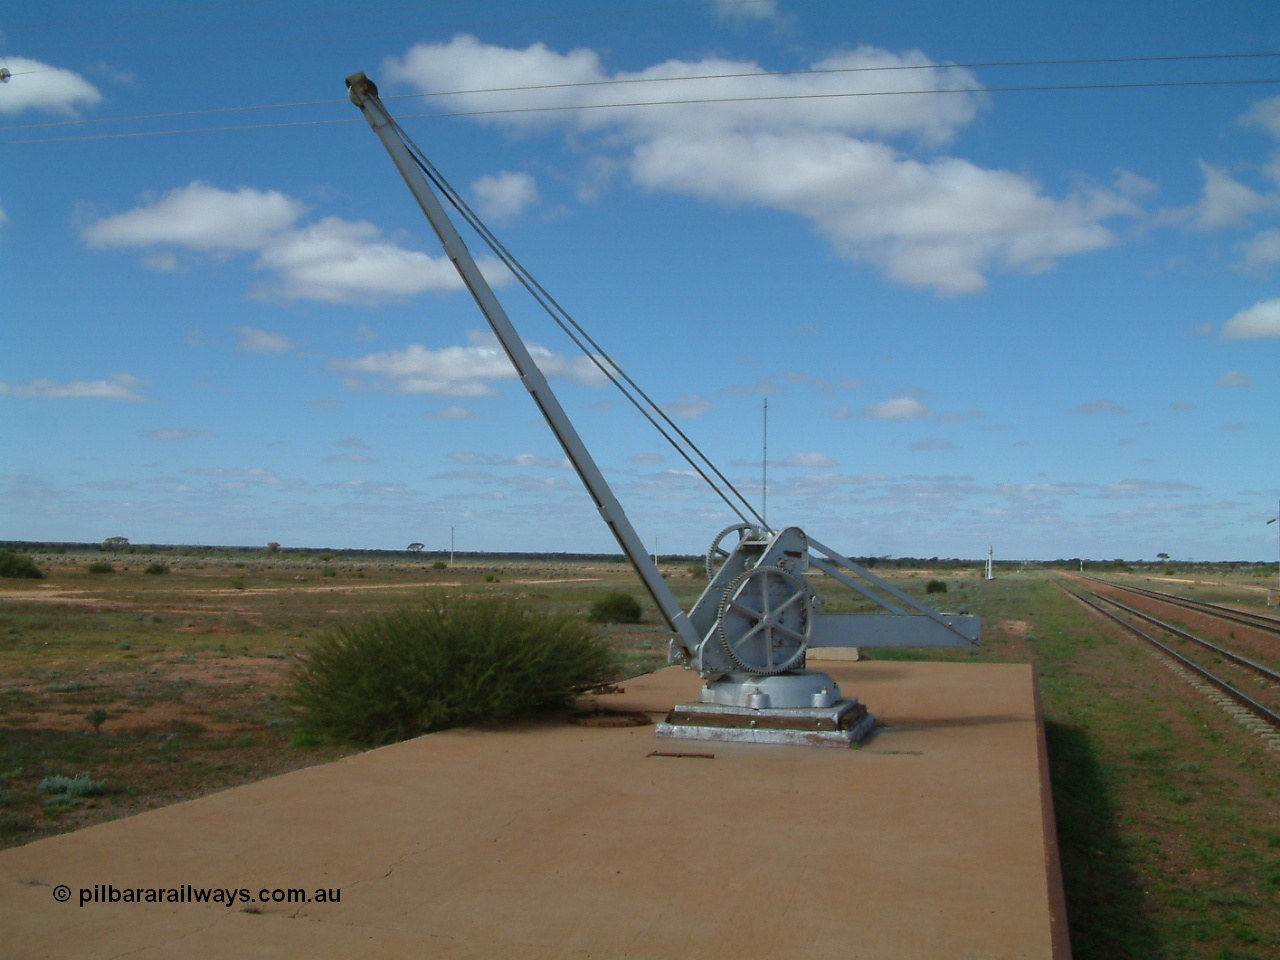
[334, 260]
[462, 371]
[1262, 249]
[199, 217]
[524, 460]
[1138, 488]
[1096, 407]
[931, 444]
[533, 460]
[449, 413]
[1226, 202]
[1264, 114]
[899, 408]
[809, 460]
[1258, 322]
[1234, 378]
[745, 9]
[505, 195]
[263, 341]
[236, 478]
[121, 386]
[38, 86]
[694, 405]
[575, 85]
[344, 261]
[798, 143]
[1132, 184]
[940, 224]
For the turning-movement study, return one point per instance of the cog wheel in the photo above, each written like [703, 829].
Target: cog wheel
[765, 620]
[717, 555]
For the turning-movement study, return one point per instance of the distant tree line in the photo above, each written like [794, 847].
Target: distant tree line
[416, 551]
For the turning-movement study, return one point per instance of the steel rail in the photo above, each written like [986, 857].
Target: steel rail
[1253, 706]
[1235, 658]
[1256, 620]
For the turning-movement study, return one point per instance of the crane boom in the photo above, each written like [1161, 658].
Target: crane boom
[364, 94]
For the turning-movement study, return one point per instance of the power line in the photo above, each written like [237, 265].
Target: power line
[565, 108]
[624, 81]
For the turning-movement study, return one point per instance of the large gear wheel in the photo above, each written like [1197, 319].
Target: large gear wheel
[717, 554]
[765, 620]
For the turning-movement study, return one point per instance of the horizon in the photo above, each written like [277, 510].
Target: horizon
[280, 550]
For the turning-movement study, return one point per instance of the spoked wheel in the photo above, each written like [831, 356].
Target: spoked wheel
[765, 620]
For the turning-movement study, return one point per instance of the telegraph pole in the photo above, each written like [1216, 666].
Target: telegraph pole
[1271, 521]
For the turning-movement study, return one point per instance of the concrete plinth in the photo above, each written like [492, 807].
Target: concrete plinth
[934, 840]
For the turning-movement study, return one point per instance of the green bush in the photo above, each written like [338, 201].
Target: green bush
[19, 565]
[81, 786]
[616, 607]
[157, 569]
[448, 662]
[101, 566]
[935, 586]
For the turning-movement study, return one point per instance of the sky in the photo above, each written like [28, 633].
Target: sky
[1006, 274]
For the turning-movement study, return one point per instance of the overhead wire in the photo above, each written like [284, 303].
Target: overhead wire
[565, 108]
[741, 74]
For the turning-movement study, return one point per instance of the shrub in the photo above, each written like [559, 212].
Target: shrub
[616, 607]
[439, 565]
[12, 823]
[101, 566]
[19, 565]
[157, 569]
[448, 662]
[81, 786]
[935, 586]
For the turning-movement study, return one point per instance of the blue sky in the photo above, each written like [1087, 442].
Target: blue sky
[991, 299]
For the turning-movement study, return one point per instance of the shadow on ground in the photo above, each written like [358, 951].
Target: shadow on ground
[1105, 908]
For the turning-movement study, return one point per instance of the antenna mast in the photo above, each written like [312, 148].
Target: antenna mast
[764, 468]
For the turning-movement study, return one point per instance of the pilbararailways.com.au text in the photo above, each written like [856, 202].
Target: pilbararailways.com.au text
[227, 896]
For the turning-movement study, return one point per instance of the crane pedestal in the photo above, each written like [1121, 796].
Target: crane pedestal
[797, 708]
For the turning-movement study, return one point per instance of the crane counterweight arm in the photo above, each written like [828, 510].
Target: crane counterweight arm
[364, 94]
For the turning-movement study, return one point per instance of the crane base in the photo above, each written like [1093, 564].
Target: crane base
[842, 724]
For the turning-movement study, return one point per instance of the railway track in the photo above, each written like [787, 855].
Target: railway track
[1248, 690]
[1258, 621]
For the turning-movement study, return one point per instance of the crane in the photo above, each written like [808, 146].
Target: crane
[747, 635]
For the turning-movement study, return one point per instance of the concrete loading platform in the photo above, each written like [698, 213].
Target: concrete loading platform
[934, 840]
